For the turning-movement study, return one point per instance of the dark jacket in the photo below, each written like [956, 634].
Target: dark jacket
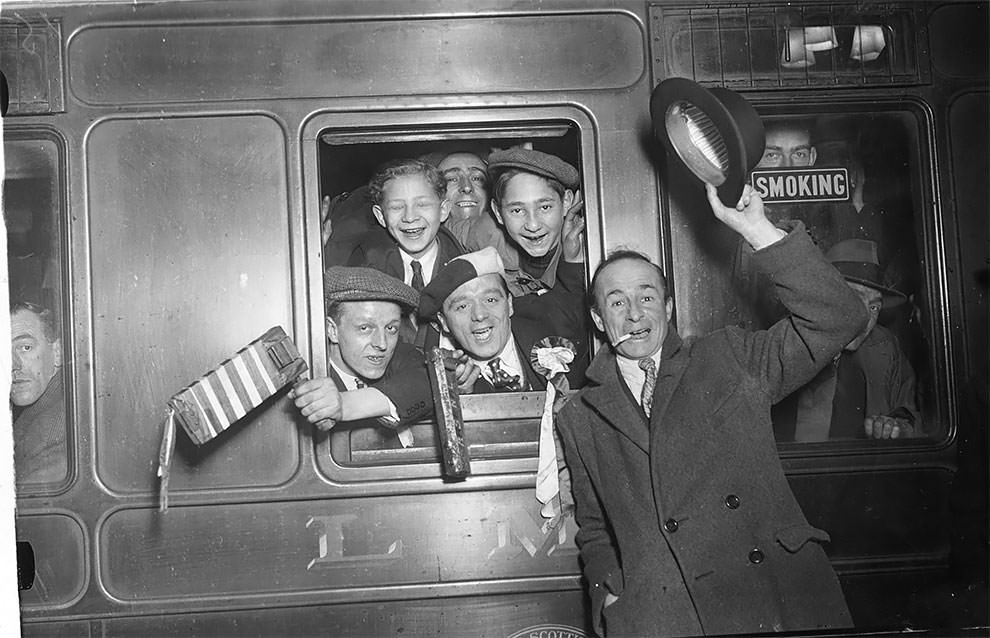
[405, 383]
[689, 517]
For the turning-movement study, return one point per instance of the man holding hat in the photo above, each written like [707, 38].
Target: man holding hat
[536, 197]
[372, 373]
[868, 390]
[687, 523]
[470, 300]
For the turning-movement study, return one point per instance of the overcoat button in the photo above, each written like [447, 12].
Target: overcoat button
[756, 556]
[670, 525]
[732, 501]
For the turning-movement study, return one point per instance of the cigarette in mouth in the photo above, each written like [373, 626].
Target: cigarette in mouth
[628, 335]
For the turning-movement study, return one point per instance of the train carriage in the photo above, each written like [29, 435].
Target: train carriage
[166, 168]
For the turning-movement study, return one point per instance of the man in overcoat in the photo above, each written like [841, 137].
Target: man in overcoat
[687, 523]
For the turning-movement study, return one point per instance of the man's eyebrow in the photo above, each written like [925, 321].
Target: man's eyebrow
[25, 336]
[639, 287]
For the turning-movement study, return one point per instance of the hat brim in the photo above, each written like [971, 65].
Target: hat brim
[729, 125]
[891, 298]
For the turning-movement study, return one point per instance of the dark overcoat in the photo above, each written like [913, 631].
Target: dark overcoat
[689, 518]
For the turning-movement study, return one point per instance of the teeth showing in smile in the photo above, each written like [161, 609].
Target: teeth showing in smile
[482, 334]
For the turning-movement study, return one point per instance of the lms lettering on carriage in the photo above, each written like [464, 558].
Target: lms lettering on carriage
[802, 185]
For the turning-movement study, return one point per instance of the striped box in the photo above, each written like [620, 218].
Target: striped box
[221, 397]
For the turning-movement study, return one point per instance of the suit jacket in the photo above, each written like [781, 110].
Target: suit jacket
[689, 518]
[405, 383]
[382, 253]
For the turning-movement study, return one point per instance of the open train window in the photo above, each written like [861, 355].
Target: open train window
[32, 199]
[858, 178]
[501, 428]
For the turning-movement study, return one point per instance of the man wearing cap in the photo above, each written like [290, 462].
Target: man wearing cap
[372, 373]
[470, 300]
[536, 197]
[687, 523]
[868, 390]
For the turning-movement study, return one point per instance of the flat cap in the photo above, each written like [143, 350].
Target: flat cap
[535, 162]
[458, 271]
[356, 283]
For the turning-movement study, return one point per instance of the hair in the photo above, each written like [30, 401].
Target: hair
[621, 254]
[397, 168]
[502, 182]
[800, 125]
[45, 315]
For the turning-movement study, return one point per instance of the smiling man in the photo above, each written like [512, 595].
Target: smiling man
[372, 373]
[536, 197]
[687, 523]
[36, 395]
[470, 301]
[409, 200]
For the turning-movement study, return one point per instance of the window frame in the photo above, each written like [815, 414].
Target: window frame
[424, 125]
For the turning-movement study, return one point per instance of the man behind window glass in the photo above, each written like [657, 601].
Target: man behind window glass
[868, 391]
[37, 396]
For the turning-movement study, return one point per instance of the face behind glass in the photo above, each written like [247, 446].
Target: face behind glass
[533, 213]
[787, 148]
[411, 212]
[477, 316]
[34, 360]
[629, 298]
[363, 336]
[467, 184]
[873, 300]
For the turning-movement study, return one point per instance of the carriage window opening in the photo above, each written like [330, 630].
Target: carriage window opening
[854, 180]
[39, 354]
[437, 214]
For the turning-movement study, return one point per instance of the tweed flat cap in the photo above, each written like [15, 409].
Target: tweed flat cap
[458, 271]
[355, 283]
[535, 162]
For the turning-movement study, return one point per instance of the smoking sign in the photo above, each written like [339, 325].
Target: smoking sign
[782, 186]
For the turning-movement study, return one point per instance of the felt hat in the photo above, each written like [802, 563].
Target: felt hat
[458, 271]
[856, 260]
[355, 283]
[718, 115]
[535, 162]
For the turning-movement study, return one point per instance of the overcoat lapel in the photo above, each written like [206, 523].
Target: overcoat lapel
[610, 401]
[673, 363]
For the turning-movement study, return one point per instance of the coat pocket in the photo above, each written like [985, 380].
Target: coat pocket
[794, 537]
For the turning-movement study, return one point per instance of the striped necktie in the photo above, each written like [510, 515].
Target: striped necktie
[646, 397]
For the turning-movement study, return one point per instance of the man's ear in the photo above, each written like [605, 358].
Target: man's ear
[332, 331]
[377, 210]
[510, 304]
[445, 207]
[568, 201]
[669, 304]
[442, 323]
[597, 318]
[57, 352]
[498, 215]
[813, 154]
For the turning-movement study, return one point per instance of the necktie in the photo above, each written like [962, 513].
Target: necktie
[501, 378]
[417, 278]
[646, 397]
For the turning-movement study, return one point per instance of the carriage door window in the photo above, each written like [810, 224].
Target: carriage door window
[31, 204]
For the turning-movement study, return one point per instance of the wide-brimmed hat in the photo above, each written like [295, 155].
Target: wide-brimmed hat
[536, 162]
[457, 272]
[720, 115]
[357, 283]
[856, 260]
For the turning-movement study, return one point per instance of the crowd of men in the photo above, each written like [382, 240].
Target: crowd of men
[484, 257]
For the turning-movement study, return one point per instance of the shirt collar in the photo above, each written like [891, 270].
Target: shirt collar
[427, 261]
[510, 360]
[349, 380]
